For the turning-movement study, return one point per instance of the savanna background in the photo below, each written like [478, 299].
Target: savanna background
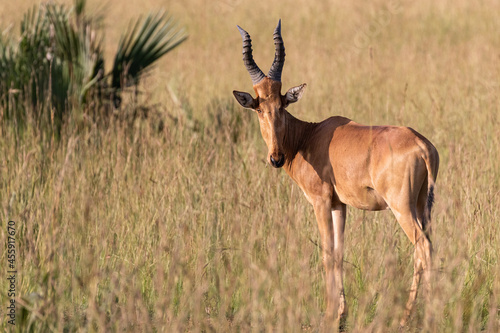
[165, 216]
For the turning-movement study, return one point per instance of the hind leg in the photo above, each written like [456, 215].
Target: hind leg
[424, 206]
[407, 218]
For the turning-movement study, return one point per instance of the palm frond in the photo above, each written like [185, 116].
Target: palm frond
[80, 48]
[7, 73]
[32, 61]
[138, 49]
[66, 37]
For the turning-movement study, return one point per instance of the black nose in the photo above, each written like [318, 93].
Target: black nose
[279, 163]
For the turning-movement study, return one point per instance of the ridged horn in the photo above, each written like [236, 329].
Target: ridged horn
[279, 56]
[255, 73]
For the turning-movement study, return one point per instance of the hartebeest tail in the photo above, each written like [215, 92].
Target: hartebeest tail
[338, 162]
[432, 171]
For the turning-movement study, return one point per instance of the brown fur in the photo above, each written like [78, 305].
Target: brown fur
[338, 162]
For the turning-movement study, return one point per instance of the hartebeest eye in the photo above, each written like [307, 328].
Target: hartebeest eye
[258, 110]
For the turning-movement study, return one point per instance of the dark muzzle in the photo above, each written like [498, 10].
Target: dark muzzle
[279, 162]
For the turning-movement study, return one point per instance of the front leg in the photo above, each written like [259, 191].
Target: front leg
[338, 215]
[331, 228]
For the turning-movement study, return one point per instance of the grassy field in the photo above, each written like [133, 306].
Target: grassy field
[185, 227]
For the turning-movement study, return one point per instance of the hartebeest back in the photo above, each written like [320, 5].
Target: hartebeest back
[338, 162]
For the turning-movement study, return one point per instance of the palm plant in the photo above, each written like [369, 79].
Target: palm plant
[139, 49]
[58, 64]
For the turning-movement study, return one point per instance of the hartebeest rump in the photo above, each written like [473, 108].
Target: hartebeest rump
[338, 162]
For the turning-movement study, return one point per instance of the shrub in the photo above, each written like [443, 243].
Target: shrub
[57, 66]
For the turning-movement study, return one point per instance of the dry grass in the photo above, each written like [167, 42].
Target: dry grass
[188, 229]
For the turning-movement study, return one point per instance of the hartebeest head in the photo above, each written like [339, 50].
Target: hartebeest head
[269, 103]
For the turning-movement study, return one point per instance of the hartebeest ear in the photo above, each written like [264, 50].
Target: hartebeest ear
[245, 99]
[294, 94]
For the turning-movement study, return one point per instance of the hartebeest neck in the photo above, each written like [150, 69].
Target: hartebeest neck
[296, 138]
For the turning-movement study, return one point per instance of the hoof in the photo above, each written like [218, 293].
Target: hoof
[343, 323]
[330, 323]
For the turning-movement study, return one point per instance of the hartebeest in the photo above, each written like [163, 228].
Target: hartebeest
[338, 162]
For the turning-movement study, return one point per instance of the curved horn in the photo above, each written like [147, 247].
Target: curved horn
[252, 68]
[279, 56]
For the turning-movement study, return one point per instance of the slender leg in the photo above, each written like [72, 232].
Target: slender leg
[424, 217]
[422, 255]
[338, 215]
[323, 212]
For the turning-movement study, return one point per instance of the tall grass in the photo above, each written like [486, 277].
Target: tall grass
[184, 227]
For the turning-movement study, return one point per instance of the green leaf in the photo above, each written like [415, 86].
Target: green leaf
[140, 48]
